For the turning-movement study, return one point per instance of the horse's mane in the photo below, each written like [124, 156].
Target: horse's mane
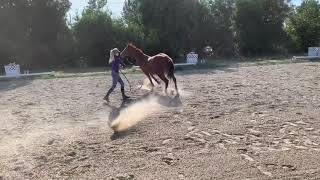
[135, 48]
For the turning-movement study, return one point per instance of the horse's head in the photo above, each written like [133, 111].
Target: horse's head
[128, 51]
[134, 52]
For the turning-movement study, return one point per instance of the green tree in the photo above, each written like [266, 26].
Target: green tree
[96, 33]
[259, 25]
[216, 27]
[34, 33]
[304, 25]
[93, 33]
[131, 12]
[177, 26]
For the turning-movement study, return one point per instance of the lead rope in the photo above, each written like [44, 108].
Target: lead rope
[123, 74]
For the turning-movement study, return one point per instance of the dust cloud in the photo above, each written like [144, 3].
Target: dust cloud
[135, 113]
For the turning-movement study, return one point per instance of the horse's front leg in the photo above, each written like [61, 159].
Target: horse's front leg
[148, 74]
[151, 82]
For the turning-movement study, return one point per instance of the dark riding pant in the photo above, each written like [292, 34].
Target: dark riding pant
[115, 80]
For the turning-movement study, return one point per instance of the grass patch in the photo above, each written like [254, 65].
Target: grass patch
[47, 77]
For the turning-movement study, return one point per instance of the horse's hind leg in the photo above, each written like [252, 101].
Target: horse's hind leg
[165, 80]
[155, 79]
[175, 83]
[151, 82]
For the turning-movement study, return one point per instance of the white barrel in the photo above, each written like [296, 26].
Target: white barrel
[192, 58]
[12, 70]
[314, 51]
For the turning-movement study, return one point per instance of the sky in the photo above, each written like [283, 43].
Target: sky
[115, 6]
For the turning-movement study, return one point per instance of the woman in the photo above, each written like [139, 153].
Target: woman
[116, 62]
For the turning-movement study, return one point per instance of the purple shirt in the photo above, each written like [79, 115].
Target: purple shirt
[116, 64]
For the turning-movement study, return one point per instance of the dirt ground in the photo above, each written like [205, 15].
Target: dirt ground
[259, 122]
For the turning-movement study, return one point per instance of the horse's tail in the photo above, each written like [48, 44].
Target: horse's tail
[171, 70]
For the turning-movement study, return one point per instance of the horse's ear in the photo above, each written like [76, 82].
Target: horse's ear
[130, 44]
[133, 46]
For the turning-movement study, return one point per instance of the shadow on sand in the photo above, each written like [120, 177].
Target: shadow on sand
[8, 85]
[166, 101]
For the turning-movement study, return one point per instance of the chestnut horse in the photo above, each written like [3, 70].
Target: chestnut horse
[161, 65]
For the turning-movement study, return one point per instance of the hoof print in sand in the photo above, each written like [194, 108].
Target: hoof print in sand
[170, 159]
[123, 177]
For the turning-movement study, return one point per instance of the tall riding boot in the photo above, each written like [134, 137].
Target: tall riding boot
[124, 97]
[107, 96]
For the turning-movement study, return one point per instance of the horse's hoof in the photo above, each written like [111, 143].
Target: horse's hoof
[124, 97]
[115, 136]
[106, 99]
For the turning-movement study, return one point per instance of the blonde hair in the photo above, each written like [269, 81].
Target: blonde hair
[112, 52]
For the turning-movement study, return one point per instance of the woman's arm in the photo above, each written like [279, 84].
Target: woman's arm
[121, 62]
